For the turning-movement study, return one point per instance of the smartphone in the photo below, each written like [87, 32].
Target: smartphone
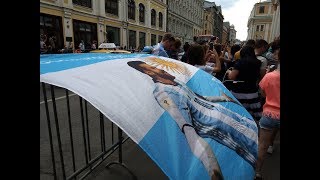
[211, 46]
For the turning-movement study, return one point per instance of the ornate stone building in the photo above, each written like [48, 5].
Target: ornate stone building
[226, 32]
[217, 25]
[130, 23]
[260, 21]
[233, 34]
[208, 21]
[275, 27]
[185, 18]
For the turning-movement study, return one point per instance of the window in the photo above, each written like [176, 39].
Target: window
[84, 31]
[132, 39]
[153, 17]
[205, 31]
[257, 28]
[153, 39]
[261, 28]
[142, 39]
[160, 19]
[52, 26]
[159, 38]
[86, 3]
[112, 7]
[261, 9]
[131, 9]
[141, 12]
[206, 17]
[113, 35]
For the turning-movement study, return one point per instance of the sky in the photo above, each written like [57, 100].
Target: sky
[237, 13]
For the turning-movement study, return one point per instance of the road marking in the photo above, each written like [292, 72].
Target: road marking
[62, 97]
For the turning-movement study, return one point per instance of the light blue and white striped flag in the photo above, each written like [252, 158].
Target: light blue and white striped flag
[182, 117]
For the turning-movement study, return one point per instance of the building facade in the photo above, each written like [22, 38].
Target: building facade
[185, 18]
[260, 21]
[208, 21]
[275, 27]
[217, 25]
[226, 32]
[233, 35]
[127, 23]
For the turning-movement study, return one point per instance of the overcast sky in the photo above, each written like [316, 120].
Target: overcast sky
[237, 13]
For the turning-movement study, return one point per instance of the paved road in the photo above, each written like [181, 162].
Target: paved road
[133, 156]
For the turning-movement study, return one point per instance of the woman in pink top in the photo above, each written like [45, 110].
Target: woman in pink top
[270, 120]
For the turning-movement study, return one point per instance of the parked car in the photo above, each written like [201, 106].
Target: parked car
[109, 48]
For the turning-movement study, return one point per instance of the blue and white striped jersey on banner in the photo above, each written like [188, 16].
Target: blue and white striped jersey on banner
[182, 117]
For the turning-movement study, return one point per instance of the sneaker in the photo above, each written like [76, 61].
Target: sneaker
[270, 150]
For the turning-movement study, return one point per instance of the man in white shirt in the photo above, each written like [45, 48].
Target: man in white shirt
[261, 46]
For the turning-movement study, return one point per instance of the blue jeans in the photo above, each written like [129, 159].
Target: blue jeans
[269, 123]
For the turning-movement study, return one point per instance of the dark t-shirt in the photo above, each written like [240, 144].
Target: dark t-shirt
[249, 72]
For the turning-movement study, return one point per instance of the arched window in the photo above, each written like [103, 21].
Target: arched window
[131, 9]
[141, 12]
[160, 19]
[153, 17]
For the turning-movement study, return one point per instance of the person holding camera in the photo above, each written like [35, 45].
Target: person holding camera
[199, 56]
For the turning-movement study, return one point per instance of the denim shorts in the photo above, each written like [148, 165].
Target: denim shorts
[269, 123]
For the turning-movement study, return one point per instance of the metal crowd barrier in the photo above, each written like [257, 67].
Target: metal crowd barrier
[66, 163]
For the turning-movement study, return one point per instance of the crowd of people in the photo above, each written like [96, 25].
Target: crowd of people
[251, 71]
[49, 45]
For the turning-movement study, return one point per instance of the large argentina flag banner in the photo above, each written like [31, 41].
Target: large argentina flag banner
[182, 117]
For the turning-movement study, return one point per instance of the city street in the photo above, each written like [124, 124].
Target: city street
[133, 156]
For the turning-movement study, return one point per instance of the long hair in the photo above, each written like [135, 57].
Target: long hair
[247, 52]
[196, 55]
[247, 56]
[234, 49]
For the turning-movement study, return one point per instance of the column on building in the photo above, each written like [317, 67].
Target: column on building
[101, 8]
[123, 6]
[68, 28]
[253, 31]
[137, 13]
[266, 33]
[95, 10]
[275, 27]
[164, 20]
[148, 14]
[102, 36]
